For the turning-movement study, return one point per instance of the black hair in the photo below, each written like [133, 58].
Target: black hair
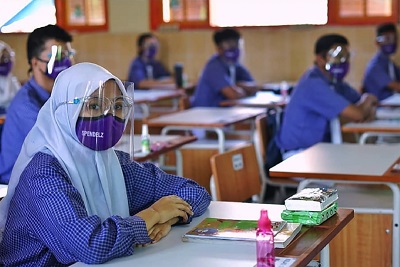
[225, 35]
[38, 38]
[325, 42]
[141, 39]
[385, 27]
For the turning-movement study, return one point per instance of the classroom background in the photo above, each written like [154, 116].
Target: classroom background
[270, 53]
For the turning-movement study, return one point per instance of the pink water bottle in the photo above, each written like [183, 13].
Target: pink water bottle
[265, 242]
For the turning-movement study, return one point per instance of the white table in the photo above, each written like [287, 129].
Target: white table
[373, 128]
[172, 252]
[353, 164]
[393, 101]
[208, 118]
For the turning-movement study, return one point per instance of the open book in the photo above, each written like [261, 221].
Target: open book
[215, 229]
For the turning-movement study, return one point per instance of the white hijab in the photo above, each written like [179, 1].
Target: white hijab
[9, 84]
[97, 175]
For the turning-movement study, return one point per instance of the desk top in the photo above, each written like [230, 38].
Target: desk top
[153, 95]
[262, 99]
[342, 162]
[163, 143]
[392, 101]
[206, 117]
[171, 251]
[382, 126]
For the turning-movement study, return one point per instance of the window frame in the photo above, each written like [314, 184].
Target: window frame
[157, 23]
[62, 18]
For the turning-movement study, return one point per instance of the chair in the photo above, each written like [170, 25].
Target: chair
[235, 173]
[261, 139]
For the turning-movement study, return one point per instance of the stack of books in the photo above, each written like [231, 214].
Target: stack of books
[311, 206]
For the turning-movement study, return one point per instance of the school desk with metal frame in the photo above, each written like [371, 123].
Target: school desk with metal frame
[171, 251]
[350, 164]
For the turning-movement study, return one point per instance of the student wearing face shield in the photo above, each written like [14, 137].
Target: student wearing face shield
[9, 84]
[72, 197]
[382, 75]
[49, 53]
[224, 77]
[145, 70]
[320, 96]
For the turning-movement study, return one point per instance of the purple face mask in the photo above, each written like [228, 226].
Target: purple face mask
[99, 133]
[59, 66]
[5, 68]
[389, 49]
[232, 54]
[151, 52]
[339, 71]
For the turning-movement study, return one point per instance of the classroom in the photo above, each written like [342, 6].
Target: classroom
[364, 169]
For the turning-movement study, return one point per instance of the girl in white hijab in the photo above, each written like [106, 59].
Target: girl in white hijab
[9, 84]
[72, 197]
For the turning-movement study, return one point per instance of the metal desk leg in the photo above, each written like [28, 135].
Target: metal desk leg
[179, 164]
[325, 256]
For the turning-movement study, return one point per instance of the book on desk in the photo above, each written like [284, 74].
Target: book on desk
[215, 230]
[312, 199]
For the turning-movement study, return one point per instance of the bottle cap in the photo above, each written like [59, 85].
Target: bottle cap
[264, 223]
[145, 129]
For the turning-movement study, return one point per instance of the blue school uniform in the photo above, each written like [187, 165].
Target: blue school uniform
[48, 224]
[21, 116]
[216, 75]
[377, 76]
[314, 102]
[138, 70]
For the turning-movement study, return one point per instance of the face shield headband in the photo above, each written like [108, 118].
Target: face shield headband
[59, 60]
[338, 63]
[102, 116]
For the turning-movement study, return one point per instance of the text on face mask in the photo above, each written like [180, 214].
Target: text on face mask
[92, 134]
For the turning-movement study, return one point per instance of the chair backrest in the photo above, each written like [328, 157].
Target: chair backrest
[236, 174]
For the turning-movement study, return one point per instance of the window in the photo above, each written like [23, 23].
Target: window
[27, 15]
[186, 14]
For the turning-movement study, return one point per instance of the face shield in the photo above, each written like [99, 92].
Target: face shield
[59, 59]
[231, 50]
[7, 58]
[387, 43]
[102, 115]
[338, 62]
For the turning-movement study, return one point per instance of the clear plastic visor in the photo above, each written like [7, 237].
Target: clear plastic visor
[338, 54]
[389, 38]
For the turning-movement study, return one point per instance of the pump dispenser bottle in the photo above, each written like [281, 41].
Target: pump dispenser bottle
[265, 242]
[145, 139]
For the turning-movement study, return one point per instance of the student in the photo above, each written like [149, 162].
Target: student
[382, 75]
[9, 84]
[72, 197]
[49, 52]
[224, 77]
[320, 96]
[145, 70]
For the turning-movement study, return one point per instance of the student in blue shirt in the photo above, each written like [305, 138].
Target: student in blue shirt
[72, 197]
[382, 75]
[145, 70]
[49, 52]
[320, 96]
[223, 76]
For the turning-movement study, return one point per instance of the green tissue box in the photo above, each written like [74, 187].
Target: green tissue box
[309, 217]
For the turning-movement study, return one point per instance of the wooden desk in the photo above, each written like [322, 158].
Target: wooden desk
[350, 163]
[214, 119]
[172, 252]
[145, 98]
[262, 99]
[166, 143]
[373, 128]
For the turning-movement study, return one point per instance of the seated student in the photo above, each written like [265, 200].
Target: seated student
[320, 96]
[382, 75]
[9, 84]
[223, 77]
[72, 197]
[145, 70]
[49, 52]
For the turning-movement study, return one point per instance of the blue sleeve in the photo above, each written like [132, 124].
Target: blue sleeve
[243, 75]
[376, 79]
[140, 178]
[349, 93]
[322, 99]
[216, 76]
[137, 72]
[63, 225]
[159, 70]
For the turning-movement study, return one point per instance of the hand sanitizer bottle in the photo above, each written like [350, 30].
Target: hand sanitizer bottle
[145, 139]
[265, 242]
